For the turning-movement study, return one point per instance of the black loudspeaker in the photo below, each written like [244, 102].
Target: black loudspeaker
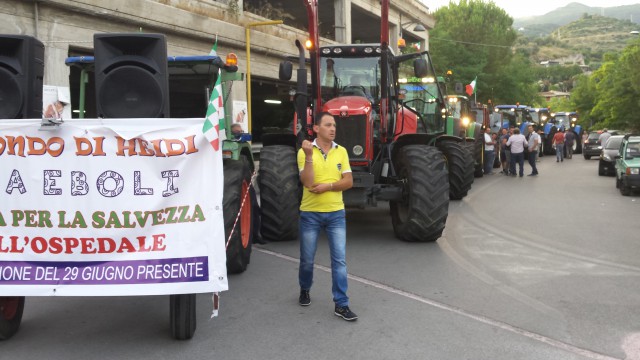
[132, 77]
[21, 76]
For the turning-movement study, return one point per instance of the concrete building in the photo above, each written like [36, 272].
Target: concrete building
[66, 27]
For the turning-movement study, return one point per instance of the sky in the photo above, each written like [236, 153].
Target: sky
[520, 8]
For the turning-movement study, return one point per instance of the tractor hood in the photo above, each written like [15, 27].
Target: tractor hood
[348, 106]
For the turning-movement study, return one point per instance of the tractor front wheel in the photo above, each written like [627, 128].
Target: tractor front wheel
[477, 154]
[460, 166]
[280, 193]
[237, 199]
[422, 213]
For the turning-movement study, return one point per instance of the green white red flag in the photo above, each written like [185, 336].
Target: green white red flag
[213, 127]
[471, 88]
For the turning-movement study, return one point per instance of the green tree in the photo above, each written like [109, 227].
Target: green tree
[583, 99]
[474, 38]
[617, 90]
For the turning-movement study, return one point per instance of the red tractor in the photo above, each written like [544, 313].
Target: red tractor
[390, 132]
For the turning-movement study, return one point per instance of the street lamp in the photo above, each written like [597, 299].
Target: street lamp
[247, 35]
[418, 28]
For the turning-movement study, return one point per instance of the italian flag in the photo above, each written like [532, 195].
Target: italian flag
[213, 127]
[471, 88]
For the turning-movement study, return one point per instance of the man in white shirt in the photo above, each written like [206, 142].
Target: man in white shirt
[602, 139]
[489, 152]
[517, 142]
[534, 141]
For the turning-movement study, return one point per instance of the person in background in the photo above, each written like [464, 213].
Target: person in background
[602, 139]
[505, 151]
[236, 129]
[558, 143]
[517, 142]
[489, 151]
[325, 173]
[569, 139]
[534, 141]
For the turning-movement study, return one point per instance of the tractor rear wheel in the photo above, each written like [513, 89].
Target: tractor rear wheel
[237, 200]
[460, 166]
[422, 213]
[183, 316]
[280, 193]
[11, 309]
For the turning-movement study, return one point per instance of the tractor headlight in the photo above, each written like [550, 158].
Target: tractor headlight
[465, 121]
[358, 150]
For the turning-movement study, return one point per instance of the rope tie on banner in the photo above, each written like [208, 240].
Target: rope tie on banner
[216, 296]
[244, 198]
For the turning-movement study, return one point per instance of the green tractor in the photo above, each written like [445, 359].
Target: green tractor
[467, 120]
[188, 76]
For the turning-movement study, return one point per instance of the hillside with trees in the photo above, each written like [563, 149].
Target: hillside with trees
[546, 24]
[475, 38]
[590, 36]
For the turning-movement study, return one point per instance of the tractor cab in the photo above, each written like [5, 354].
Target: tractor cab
[565, 120]
[507, 116]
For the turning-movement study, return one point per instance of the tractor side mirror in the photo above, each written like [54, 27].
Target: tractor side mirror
[285, 71]
[420, 68]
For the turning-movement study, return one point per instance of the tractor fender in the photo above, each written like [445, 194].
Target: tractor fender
[442, 138]
[411, 139]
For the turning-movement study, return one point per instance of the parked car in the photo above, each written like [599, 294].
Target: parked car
[591, 147]
[628, 164]
[608, 156]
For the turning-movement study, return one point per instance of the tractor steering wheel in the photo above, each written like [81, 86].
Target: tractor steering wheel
[356, 90]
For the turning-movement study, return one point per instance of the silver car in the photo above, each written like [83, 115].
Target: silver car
[607, 164]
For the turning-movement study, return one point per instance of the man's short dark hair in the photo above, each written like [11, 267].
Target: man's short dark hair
[319, 116]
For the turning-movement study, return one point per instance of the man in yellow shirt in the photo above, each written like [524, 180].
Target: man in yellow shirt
[325, 173]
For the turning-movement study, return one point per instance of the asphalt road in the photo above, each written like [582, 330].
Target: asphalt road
[528, 268]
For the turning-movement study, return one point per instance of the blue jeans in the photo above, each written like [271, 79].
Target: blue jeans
[517, 158]
[559, 151]
[335, 226]
[489, 158]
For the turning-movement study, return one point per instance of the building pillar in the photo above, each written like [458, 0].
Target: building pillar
[343, 21]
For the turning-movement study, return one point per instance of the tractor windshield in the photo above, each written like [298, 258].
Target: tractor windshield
[565, 121]
[539, 116]
[506, 117]
[341, 76]
[421, 94]
[421, 97]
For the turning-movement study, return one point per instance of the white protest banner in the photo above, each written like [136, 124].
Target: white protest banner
[110, 207]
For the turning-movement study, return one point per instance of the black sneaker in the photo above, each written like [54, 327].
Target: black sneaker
[345, 313]
[304, 299]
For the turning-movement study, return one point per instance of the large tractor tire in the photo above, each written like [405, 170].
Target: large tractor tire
[11, 309]
[183, 316]
[237, 200]
[422, 213]
[460, 166]
[280, 193]
[579, 144]
[476, 152]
